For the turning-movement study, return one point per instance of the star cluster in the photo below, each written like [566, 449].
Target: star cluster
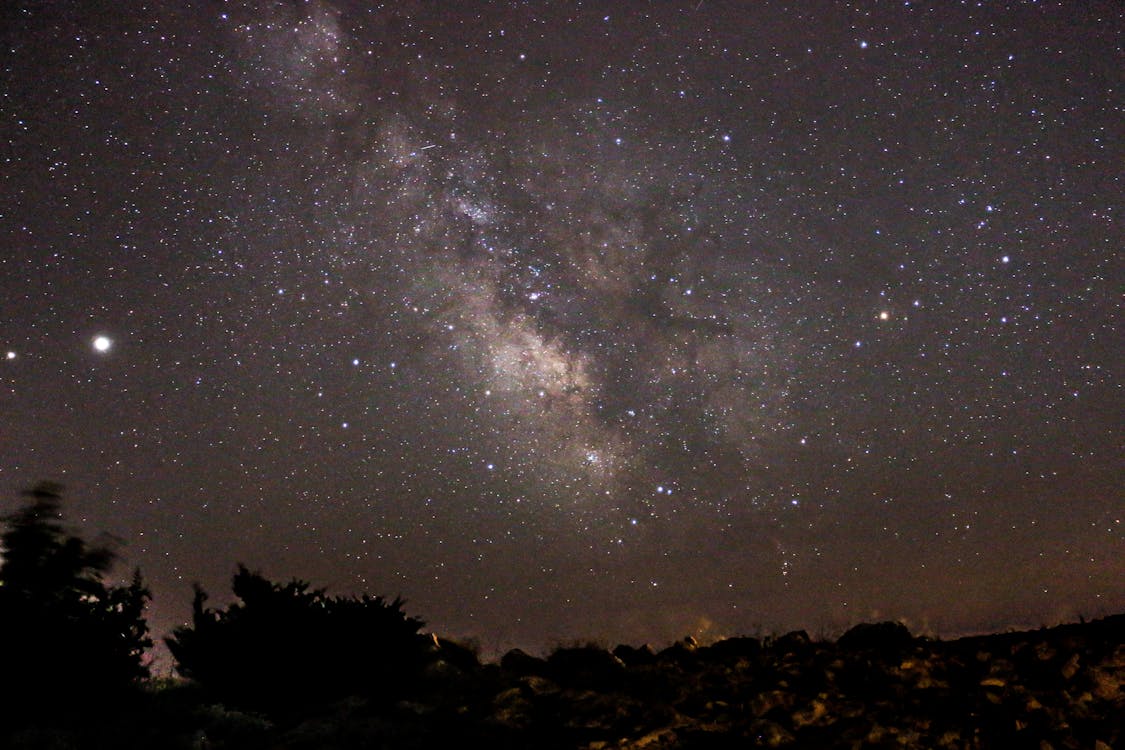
[564, 320]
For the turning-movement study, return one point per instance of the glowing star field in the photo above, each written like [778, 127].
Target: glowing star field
[576, 320]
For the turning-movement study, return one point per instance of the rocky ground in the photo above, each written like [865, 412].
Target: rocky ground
[877, 686]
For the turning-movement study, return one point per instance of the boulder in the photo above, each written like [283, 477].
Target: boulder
[882, 637]
[770, 734]
[521, 664]
[635, 657]
[586, 667]
[730, 650]
[792, 642]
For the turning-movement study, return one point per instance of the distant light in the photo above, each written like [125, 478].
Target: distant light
[10, 355]
[863, 45]
[1005, 259]
[884, 315]
[102, 344]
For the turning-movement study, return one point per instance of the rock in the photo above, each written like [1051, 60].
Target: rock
[792, 641]
[634, 657]
[770, 734]
[678, 653]
[586, 667]
[950, 739]
[1070, 668]
[882, 637]
[536, 686]
[511, 709]
[1109, 680]
[652, 741]
[813, 713]
[731, 650]
[769, 700]
[520, 664]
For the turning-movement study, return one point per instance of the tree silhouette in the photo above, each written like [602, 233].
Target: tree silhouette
[66, 638]
[284, 646]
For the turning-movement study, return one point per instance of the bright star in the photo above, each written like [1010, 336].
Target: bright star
[102, 344]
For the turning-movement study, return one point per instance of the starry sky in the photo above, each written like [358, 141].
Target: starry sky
[569, 320]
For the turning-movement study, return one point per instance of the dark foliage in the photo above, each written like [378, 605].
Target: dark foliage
[283, 646]
[67, 640]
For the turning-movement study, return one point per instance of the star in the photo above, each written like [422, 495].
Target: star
[102, 344]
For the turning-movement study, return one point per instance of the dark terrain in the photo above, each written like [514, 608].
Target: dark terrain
[877, 686]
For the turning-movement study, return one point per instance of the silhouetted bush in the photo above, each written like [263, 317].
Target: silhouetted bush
[283, 646]
[67, 640]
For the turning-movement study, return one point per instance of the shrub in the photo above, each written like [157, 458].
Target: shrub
[67, 640]
[283, 646]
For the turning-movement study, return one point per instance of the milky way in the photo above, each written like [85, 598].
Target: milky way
[568, 320]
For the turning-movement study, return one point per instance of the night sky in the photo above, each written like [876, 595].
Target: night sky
[615, 320]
